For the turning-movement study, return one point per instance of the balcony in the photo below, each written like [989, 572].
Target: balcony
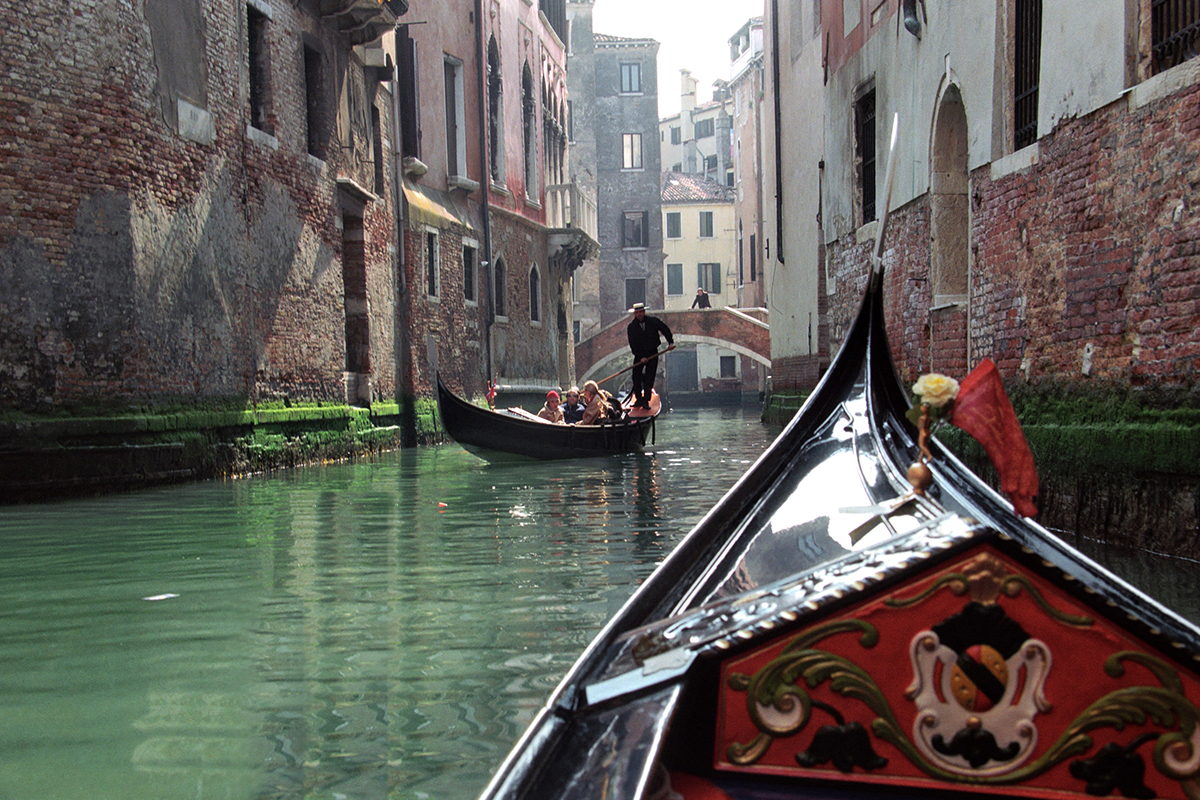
[571, 216]
[362, 21]
[568, 207]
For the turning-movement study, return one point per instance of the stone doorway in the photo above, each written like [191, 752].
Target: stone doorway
[949, 206]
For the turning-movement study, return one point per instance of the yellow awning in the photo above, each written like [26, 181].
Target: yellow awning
[433, 207]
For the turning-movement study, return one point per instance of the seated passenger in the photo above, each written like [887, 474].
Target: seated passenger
[597, 407]
[572, 409]
[551, 412]
[614, 412]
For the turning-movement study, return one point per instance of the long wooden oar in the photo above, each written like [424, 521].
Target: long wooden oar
[634, 364]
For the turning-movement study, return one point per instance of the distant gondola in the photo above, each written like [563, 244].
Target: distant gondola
[825, 631]
[505, 434]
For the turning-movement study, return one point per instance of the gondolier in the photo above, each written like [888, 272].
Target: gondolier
[644, 332]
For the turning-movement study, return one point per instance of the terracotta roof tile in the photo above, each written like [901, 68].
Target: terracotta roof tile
[682, 187]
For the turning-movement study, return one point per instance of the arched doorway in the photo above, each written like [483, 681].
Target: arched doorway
[950, 233]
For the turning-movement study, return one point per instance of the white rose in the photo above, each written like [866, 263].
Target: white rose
[935, 390]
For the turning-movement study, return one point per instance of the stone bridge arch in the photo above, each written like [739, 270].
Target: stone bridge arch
[744, 331]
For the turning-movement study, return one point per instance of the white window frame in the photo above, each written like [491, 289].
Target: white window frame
[460, 110]
[631, 152]
[678, 215]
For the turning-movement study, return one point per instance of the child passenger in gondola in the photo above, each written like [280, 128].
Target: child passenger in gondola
[550, 411]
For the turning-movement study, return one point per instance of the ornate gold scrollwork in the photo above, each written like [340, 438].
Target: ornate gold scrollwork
[779, 706]
[986, 578]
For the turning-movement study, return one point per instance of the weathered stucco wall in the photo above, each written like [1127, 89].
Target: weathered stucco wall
[792, 238]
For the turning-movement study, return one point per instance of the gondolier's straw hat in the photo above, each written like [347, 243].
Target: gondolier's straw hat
[638, 307]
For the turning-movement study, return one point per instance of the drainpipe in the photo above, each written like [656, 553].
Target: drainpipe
[485, 180]
[778, 132]
[400, 337]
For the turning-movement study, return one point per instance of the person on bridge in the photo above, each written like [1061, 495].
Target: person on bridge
[644, 339]
[701, 300]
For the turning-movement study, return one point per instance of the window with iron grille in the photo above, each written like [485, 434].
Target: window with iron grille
[728, 366]
[1027, 50]
[1175, 32]
[864, 139]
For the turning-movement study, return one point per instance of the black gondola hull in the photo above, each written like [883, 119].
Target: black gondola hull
[498, 436]
[796, 547]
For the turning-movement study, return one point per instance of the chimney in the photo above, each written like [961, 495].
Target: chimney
[687, 91]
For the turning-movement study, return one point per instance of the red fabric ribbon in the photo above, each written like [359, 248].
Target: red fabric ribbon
[983, 410]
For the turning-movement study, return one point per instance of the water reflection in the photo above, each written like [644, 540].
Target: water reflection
[379, 630]
[368, 631]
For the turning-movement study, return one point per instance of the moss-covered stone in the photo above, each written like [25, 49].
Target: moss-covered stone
[780, 407]
[57, 454]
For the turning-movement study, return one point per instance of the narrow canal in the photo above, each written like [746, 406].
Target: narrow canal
[360, 631]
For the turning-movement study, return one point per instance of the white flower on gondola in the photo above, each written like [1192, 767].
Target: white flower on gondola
[935, 390]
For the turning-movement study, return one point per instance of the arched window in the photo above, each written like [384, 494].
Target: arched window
[495, 114]
[500, 289]
[529, 117]
[535, 295]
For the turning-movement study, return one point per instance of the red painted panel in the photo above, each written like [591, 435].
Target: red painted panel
[1017, 683]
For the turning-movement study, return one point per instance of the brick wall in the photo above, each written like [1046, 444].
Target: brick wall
[446, 333]
[1091, 255]
[1085, 265]
[149, 256]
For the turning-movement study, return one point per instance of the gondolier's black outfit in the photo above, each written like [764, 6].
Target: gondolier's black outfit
[644, 339]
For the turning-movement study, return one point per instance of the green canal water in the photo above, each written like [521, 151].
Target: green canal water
[353, 631]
